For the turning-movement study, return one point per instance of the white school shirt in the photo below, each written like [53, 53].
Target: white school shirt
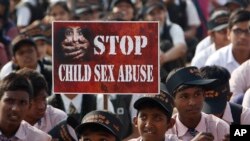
[223, 57]
[200, 59]
[50, 119]
[168, 137]
[26, 132]
[244, 119]
[239, 81]
[208, 123]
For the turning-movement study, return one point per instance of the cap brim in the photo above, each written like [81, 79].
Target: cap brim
[139, 102]
[220, 27]
[201, 82]
[214, 106]
[152, 7]
[79, 129]
[40, 38]
[22, 42]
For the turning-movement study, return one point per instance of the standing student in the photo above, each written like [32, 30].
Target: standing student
[153, 117]
[187, 87]
[15, 92]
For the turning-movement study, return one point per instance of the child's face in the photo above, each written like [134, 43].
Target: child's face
[152, 124]
[38, 106]
[97, 136]
[189, 102]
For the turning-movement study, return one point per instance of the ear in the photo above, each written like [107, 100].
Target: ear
[135, 121]
[211, 34]
[171, 123]
[14, 60]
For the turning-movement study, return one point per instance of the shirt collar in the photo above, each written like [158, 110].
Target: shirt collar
[20, 134]
[182, 129]
[76, 101]
[231, 58]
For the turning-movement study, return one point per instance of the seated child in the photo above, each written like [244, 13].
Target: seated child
[153, 118]
[100, 125]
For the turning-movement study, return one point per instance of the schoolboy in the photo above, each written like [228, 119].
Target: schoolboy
[187, 87]
[15, 92]
[39, 114]
[100, 125]
[153, 118]
[216, 98]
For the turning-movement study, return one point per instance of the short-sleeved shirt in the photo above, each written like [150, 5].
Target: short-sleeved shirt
[244, 117]
[200, 59]
[239, 81]
[208, 123]
[168, 137]
[177, 34]
[203, 44]
[223, 57]
[193, 18]
[51, 118]
[26, 132]
[246, 99]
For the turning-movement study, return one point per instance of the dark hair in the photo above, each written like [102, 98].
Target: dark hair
[239, 15]
[15, 82]
[37, 79]
[216, 72]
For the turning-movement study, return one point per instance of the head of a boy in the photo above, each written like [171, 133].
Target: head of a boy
[24, 52]
[216, 97]
[38, 102]
[100, 125]
[15, 92]
[187, 87]
[154, 115]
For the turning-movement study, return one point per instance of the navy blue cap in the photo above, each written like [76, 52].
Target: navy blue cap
[163, 99]
[186, 76]
[21, 40]
[105, 119]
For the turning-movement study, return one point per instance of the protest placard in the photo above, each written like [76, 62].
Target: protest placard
[105, 57]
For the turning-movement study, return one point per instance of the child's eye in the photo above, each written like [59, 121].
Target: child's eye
[143, 118]
[158, 118]
[183, 97]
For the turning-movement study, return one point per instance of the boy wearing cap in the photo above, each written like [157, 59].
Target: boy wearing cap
[217, 26]
[238, 51]
[15, 92]
[216, 98]
[25, 55]
[154, 117]
[100, 125]
[187, 87]
[173, 44]
[123, 10]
